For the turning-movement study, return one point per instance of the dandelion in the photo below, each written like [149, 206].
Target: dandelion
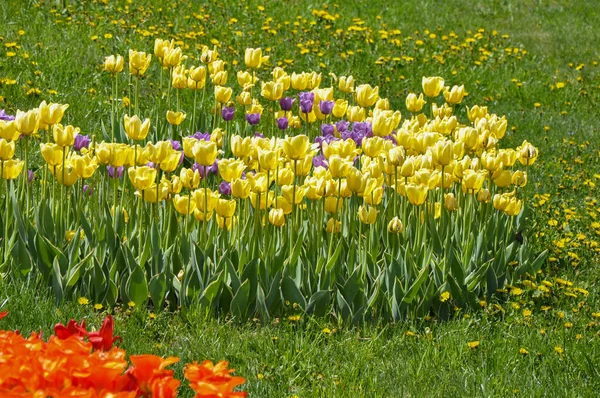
[83, 301]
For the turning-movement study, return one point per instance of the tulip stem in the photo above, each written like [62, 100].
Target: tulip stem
[194, 113]
[6, 212]
[26, 177]
[137, 95]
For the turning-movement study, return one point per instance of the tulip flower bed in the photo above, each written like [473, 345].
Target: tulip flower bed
[76, 362]
[297, 196]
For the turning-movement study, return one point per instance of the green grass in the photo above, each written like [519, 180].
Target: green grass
[368, 361]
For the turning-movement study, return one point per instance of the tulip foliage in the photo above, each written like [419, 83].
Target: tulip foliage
[277, 194]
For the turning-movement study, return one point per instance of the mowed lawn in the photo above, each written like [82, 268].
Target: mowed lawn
[534, 61]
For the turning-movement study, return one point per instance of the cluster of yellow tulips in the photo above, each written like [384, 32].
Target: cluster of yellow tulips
[318, 159]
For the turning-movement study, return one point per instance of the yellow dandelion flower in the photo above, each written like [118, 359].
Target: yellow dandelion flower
[98, 306]
[559, 350]
[473, 344]
[83, 301]
[131, 304]
[523, 351]
[444, 297]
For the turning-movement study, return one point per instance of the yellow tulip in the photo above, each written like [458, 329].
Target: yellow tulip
[527, 154]
[383, 123]
[267, 159]
[455, 95]
[395, 226]
[12, 168]
[142, 177]
[219, 78]
[139, 62]
[179, 79]
[51, 114]
[346, 84]
[64, 135]
[205, 152]
[206, 199]
[161, 46]
[27, 123]
[8, 130]
[339, 108]
[416, 194]
[184, 204]
[374, 197]
[149, 194]
[513, 207]
[300, 81]
[333, 204]
[84, 166]
[171, 57]
[241, 147]
[476, 112]
[223, 94]
[355, 114]
[272, 91]
[66, 176]
[432, 86]
[135, 129]
[240, 188]
[450, 202]
[253, 57]
[287, 191]
[226, 223]
[519, 178]
[373, 146]
[473, 181]
[382, 104]
[231, 169]
[245, 79]
[333, 226]
[502, 178]
[7, 149]
[189, 178]
[285, 177]
[414, 104]
[113, 64]
[296, 147]
[266, 199]
[339, 166]
[175, 118]
[171, 162]
[225, 208]
[366, 96]
[259, 182]
[198, 74]
[443, 153]
[201, 216]
[52, 153]
[367, 214]
[484, 196]
[277, 217]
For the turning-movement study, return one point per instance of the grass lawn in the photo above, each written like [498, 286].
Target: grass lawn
[534, 61]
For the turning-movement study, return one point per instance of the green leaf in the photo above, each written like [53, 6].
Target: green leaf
[239, 304]
[261, 305]
[318, 304]
[210, 292]
[57, 281]
[291, 292]
[137, 287]
[414, 288]
[158, 290]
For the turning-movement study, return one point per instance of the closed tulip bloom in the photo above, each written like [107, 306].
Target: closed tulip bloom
[375, 196]
[272, 91]
[450, 202]
[8, 130]
[339, 108]
[219, 78]
[383, 124]
[513, 207]
[253, 57]
[373, 146]
[205, 152]
[84, 166]
[367, 96]
[161, 46]
[443, 152]
[300, 81]
[179, 80]
[184, 204]
[476, 112]
[231, 169]
[333, 204]
[277, 217]
[241, 147]
[519, 178]
[225, 208]
[413, 103]
[432, 86]
[198, 74]
[223, 94]
[149, 194]
[52, 153]
[295, 148]
[64, 135]
[51, 114]
[171, 162]
[346, 84]
[142, 177]
[339, 166]
[189, 178]
[287, 191]
[135, 129]
[175, 118]
[172, 57]
[267, 159]
[68, 177]
[240, 188]
[473, 181]
[226, 223]
[500, 201]
[484, 196]
[455, 95]
[206, 199]
[416, 194]
[261, 201]
[395, 226]
[367, 214]
[502, 178]
[27, 123]
[12, 168]
[355, 114]
[7, 149]
[139, 62]
[113, 64]
[333, 226]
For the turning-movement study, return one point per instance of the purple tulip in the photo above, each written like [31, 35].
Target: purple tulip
[282, 123]
[181, 157]
[327, 130]
[326, 107]
[286, 103]
[81, 141]
[320, 160]
[342, 126]
[30, 176]
[225, 188]
[325, 138]
[253, 118]
[363, 128]
[88, 190]
[227, 113]
[390, 138]
[307, 100]
[206, 170]
[112, 174]
[5, 116]
[201, 136]
[259, 135]
[176, 145]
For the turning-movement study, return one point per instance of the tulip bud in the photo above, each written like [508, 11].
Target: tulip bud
[395, 226]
